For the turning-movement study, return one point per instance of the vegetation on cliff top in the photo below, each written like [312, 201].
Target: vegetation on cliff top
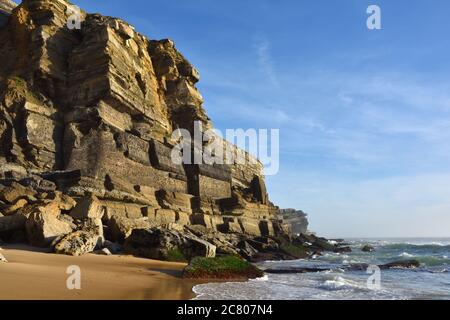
[225, 267]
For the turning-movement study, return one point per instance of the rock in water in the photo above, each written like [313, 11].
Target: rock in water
[403, 264]
[367, 248]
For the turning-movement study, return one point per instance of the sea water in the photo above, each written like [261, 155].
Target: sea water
[430, 281]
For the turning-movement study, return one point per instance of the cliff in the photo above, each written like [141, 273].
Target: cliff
[86, 122]
[297, 219]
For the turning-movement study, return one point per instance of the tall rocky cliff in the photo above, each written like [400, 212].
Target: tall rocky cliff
[297, 219]
[6, 7]
[88, 114]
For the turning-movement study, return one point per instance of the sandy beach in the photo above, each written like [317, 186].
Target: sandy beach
[31, 273]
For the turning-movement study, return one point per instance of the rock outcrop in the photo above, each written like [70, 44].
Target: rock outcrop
[86, 122]
[163, 244]
[297, 219]
[77, 243]
[6, 7]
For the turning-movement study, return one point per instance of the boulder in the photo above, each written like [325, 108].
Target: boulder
[44, 225]
[88, 207]
[403, 264]
[15, 192]
[64, 201]
[162, 244]
[246, 250]
[342, 249]
[71, 221]
[120, 228]
[367, 248]
[77, 243]
[94, 226]
[14, 207]
[12, 223]
[225, 244]
[38, 183]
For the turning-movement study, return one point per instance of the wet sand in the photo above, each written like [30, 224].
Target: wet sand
[32, 274]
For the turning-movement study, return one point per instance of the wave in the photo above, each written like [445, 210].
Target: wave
[263, 278]
[406, 255]
[339, 283]
[410, 246]
[433, 261]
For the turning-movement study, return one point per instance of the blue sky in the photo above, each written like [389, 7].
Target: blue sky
[364, 116]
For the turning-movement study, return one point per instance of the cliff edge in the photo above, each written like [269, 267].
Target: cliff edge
[86, 122]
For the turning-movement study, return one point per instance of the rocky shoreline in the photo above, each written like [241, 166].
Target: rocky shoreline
[35, 212]
[86, 123]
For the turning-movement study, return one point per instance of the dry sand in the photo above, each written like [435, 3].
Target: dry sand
[32, 274]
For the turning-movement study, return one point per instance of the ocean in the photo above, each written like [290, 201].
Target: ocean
[430, 281]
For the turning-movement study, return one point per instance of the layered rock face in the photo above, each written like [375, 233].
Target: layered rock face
[6, 7]
[297, 219]
[90, 112]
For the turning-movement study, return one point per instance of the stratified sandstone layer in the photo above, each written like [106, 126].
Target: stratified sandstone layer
[86, 122]
[297, 219]
[6, 7]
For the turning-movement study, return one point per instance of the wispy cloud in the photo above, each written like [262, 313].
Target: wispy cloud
[263, 50]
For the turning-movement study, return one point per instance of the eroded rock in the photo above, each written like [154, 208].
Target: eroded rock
[88, 207]
[162, 244]
[77, 243]
[43, 224]
[120, 228]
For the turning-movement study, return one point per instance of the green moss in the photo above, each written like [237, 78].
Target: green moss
[21, 86]
[295, 250]
[225, 267]
[175, 255]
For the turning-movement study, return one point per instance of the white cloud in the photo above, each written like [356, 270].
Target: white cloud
[263, 50]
